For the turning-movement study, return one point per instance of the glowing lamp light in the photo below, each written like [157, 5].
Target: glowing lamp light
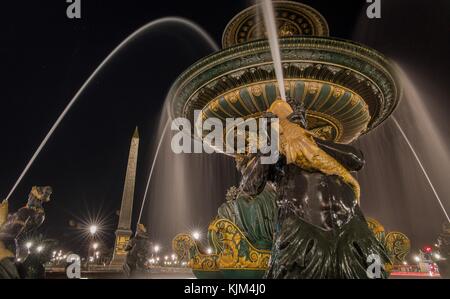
[196, 235]
[417, 258]
[209, 251]
[93, 229]
[28, 244]
[39, 248]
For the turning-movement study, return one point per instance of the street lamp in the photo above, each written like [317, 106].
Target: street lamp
[28, 245]
[209, 250]
[196, 235]
[156, 248]
[417, 258]
[39, 248]
[95, 246]
[93, 229]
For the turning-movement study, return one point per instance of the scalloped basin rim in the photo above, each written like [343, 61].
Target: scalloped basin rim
[355, 67]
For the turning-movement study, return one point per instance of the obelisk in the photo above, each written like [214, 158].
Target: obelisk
[123, 232]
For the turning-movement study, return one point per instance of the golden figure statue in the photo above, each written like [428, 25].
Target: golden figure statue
[298, 146]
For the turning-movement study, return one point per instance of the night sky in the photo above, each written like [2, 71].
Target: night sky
[46, 57]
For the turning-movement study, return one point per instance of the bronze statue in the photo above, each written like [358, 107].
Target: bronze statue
[138, 252]
[13, 226]
[320, 230]
[254, 216]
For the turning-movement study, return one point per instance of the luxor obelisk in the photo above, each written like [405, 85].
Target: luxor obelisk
[123, 232]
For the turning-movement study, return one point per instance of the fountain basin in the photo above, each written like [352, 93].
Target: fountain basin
[348, 89]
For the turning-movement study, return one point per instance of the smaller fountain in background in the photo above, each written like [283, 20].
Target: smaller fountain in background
[15, 226]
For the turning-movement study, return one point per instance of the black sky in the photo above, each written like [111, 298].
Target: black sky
[45, 58]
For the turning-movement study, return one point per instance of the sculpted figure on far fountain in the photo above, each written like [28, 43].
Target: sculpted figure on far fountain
[320, 230]
[138, 252]
[15, 225]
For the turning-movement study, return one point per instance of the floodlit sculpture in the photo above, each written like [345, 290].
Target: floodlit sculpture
[13, 226]
[337, 90]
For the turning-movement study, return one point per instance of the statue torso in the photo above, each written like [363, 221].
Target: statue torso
[321, 200]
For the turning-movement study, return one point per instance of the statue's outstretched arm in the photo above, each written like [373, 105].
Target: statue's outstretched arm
[350, 157]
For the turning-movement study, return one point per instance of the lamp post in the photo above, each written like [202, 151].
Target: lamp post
[93, 229]
[156, 249]
[28, 246]
[39, 248]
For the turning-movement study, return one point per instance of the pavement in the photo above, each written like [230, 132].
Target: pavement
[169, 273]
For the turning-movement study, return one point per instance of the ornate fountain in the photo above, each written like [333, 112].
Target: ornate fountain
[347, 89]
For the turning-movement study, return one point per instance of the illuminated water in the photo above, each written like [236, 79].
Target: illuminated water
[152, 168]
[138, 33]
[425, 172]
[394, 187]
[405, 180]
[272, 36]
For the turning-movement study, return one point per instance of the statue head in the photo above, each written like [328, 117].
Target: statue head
[298, 116]
[290, 109]
[232, 193]
[141, 229]
[241, 161]
[42, 194]
[280, 108]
